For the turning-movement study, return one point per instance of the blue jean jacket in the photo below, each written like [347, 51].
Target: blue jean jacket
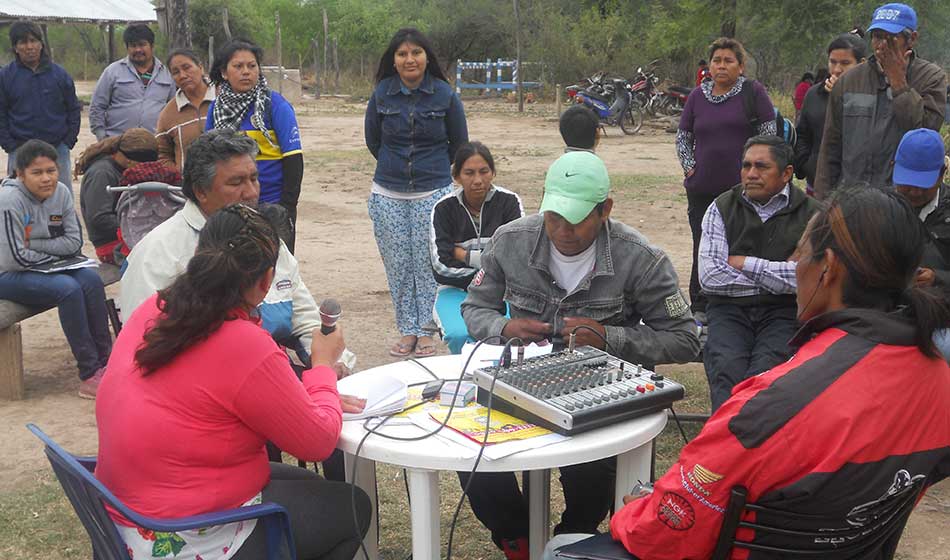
[413, 134]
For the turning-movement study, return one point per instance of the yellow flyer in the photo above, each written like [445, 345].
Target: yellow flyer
[470, 422]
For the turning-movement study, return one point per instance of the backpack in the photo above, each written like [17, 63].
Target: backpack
[784, 128]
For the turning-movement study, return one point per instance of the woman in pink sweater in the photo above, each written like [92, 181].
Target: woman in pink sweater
[193, 390]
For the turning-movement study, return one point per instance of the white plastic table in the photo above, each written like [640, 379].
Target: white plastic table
[630, 441]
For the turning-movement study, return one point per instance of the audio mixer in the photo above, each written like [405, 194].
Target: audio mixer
[576, 390]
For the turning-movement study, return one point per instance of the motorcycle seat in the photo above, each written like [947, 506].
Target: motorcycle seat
[597, 96]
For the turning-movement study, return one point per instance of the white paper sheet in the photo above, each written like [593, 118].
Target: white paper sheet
[384, 394]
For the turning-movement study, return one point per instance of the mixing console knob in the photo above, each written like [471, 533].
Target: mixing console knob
[656, 377]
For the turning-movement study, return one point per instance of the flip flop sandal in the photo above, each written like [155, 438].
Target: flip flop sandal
[402, 349]
[425, 350]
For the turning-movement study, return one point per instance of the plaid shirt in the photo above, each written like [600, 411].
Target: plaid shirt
[757, 276]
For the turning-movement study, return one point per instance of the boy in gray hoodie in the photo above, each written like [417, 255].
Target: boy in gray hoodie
[40, 226]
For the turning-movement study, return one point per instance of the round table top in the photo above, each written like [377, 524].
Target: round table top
[435, 454]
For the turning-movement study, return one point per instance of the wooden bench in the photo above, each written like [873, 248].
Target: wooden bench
[11, 342]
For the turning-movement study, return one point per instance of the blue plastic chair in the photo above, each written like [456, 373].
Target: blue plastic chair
[88, 497]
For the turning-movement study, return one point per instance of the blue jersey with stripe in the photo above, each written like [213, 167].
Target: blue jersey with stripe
[285, 135]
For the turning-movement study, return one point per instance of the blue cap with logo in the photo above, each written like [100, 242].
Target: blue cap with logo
[894, 18]
[919, 159]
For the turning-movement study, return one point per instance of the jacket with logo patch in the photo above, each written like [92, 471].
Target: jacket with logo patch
[858, 412]
[37, 232]
[631, 281]
[452, 226]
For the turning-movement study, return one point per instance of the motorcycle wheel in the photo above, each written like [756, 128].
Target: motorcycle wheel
[632, 120]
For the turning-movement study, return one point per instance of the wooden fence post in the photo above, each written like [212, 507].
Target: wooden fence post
[316, 68]
[336, 66]
[280, 56]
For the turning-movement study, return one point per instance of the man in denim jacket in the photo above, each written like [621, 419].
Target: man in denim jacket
[571, 265]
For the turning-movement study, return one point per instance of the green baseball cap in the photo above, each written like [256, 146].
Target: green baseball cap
[575, 183]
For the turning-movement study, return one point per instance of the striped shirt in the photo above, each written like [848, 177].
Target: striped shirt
[283, 139]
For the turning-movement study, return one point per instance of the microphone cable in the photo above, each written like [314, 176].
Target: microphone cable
[374, 430]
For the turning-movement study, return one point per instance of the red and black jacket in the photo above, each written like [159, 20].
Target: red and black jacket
[858, 410]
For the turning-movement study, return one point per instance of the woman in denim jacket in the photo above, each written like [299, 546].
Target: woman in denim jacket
[414, 124]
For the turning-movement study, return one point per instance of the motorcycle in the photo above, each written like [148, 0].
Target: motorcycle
[672, 101]
[653, 100]
[644, 88]
[611, 100]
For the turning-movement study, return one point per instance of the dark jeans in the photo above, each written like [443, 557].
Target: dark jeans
[81, 301]
[744, 341]
[321, 516]
[499, 504]
[696, 206]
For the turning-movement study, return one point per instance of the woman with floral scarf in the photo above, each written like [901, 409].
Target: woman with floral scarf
[246, 103]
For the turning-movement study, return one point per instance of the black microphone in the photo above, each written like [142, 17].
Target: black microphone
[330, 312]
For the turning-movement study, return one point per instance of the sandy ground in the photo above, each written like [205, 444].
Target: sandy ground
[338, 257]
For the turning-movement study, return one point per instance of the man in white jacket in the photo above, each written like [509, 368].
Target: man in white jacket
[220, 170]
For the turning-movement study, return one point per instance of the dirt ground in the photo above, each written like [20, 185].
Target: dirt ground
[338, 257]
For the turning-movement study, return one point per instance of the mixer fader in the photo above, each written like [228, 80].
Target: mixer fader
[575, 391]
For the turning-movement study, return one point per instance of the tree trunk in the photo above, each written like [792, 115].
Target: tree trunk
[179, 34]
[326, 46]
[519, 80]
[728, 18]
[280, 56]
[316, 68]
[226, 22]
[336, 66]
[111, 42]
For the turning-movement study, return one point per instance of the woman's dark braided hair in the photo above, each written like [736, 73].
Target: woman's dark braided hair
[879, 238]
[235, 249]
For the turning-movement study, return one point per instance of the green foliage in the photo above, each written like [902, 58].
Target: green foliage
[570, 38]
[206, 20]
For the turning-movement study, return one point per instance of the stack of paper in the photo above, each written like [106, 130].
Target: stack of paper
[384, 394]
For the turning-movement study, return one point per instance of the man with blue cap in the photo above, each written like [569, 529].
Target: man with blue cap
[568, 266]
[919, 168]
[872, 106]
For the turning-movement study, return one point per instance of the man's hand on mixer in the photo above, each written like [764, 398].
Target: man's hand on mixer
[528, 330]
[583, 336]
